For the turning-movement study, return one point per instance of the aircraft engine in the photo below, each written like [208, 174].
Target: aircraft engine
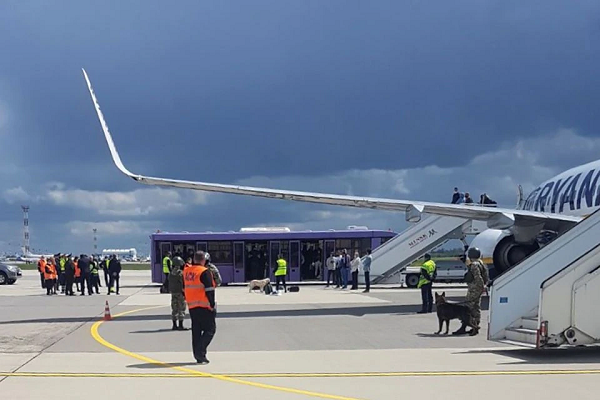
[500, 250]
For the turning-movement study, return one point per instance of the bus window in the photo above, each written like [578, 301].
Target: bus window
[221, 252]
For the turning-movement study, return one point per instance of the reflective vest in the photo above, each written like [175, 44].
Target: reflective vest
[281, 267]
[41, 265]
[54, 272]
[62, 262]
[94, 268]
[195, 291]
[428, 266]
[166, 265]
[77, 270]
[106, 262]
[48, 275]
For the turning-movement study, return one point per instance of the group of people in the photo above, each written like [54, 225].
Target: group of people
[62, 271]
[460, 198]
[477, 279]
[339, 265]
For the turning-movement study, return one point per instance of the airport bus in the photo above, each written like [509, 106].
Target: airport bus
[251, 253]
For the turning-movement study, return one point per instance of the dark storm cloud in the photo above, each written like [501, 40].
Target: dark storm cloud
[228, 91]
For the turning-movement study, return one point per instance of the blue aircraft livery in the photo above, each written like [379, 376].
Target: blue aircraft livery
[573, 192]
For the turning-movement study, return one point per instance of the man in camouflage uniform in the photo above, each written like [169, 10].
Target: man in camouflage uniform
[477, 278]
[177, 293]
[213, 270]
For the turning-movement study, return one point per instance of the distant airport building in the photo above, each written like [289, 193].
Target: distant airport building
[122, 253]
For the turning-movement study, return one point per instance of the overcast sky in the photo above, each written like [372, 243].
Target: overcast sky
[399, 99]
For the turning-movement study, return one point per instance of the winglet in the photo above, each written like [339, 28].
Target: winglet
[111, 145]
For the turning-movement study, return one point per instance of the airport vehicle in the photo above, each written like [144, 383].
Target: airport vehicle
[251, 253]
[9, 274]
[511, 235]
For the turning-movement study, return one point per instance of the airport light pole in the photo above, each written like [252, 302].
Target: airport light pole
[25, 229]
[95, 241]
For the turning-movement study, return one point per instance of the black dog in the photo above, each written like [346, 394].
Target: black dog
[447, 311]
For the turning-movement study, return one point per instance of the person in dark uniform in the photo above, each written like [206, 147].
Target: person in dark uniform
[69, 276]
[84, 267]
[200, 298]
[114, 269]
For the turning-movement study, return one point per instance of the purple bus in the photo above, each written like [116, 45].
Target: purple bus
[251, 253]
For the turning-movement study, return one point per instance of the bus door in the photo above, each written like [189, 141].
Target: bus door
[239, 271]
[294, 267]
[329, 248]
[273, 253]
[157, 270]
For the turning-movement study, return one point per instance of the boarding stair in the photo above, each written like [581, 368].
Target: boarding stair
[552, 297]
[432, 231]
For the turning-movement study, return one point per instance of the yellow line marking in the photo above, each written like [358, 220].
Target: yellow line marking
[102, 341]
[296, 374]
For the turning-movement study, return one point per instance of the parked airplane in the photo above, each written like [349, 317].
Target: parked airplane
[29, 257]
[551, 209]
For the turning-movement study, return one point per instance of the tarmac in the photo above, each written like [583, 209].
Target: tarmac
[317, 343]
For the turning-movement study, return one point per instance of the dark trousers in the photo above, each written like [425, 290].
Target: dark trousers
[85, 279]
[331, 276]
[338, 277]
[95, 282]
[355, 280]
[49, 286]
[113, 280]
[166, 283]
[204, 328]
[42, 280]
[106, 279]
[427, 297]
[280, 279]
[62, 280]
[367, 280]
[69, 280]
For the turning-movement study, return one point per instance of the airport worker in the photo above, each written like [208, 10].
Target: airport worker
[177, 293]
[476, 278]
[331, 263]
[280, 273]
[355, 265]
[62, 262]
[114, 269]
[48, 278]
[94, 275]
[54, 274]
[77, 273]
[41, 267]
[84, 268]
[367, 268]
[199, 290]
[425, 283]
[213, 270]
[166, 263]
[69, 276]
[105, 263]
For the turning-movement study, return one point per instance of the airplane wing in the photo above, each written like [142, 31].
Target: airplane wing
[497, 218]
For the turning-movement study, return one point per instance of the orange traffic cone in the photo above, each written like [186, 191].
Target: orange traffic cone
[107, 316]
